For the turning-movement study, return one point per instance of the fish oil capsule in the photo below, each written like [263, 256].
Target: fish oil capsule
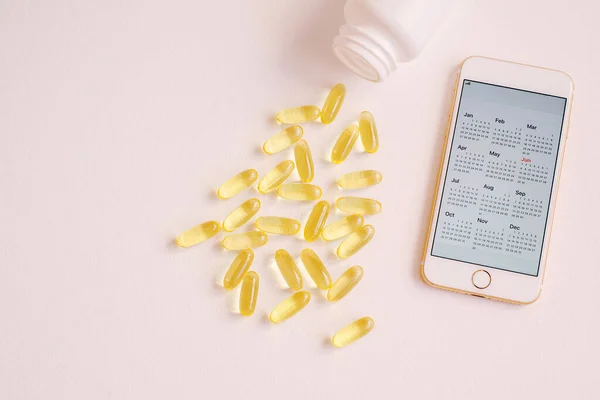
[358, 205]
[283, 139]
[360, 179]
[298, 115]
[246, 240]
[355, 241]
[333, 103]
[235, 185]
[289, 270]
[368, 132]
[276, 176]
[345, 283]
[197, 234]
[241, 215]
[343, 146]
[342, 227]
[304, 161]
[316, 221]
[238, 268]
[316, 269]
[278, 225]
[290, 306]
[299, 191]
[353, 332]
[249, 294]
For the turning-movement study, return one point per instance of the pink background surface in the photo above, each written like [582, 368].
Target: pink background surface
[119, 118]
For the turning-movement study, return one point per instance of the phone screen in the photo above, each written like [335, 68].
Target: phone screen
[501, 169]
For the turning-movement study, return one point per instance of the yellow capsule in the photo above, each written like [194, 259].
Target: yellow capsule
[316, 269]
[298, 115]
[238, 268]
[289, 270]
[316, 221]
[276, 176]
[198, 234]
[235, 185]
[352, 332]
[356, 241]
[304, 161]
[290, 306]
[344, 144]
[241, 215]
[278, 225]
[249, 294]
[345, 283]
[333, 103]
[246, 240]
[358, 205]
[360, 179]
[368, 132]
[283, 139]
[299, 191]
[342, 227]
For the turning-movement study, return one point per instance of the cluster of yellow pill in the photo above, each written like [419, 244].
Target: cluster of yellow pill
[351, 228]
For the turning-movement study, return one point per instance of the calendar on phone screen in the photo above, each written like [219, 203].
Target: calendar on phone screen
[501, 169]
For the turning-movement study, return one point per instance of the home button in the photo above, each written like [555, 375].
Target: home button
[481, 279]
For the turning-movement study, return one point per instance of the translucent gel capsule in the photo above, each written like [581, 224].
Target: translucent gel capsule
[358, 205]
[360, 179]
[298, 115]
[235, 185]
[342, 227]
[290, 306]
[238, 268]
[316, 221]
[333, 103]
[353, 332]
[241, 215]
[316, 269]
[289, 270]
[198, 234]
[249, 294]
[304, 161]
[283, 139]
[278, 225]
[355, 241]
[246, 240]
[368, 132]
[344, 144]
[276, 176]
[345, 283]
[299, 191]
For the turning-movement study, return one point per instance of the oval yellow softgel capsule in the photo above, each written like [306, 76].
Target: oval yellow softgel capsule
[249, 294]
[290, 306]
[316, 269]
[316, 221]
[355, 241]
[299, 191]
[345, 283]
[283, 139]
[360, 179]
[353, 332]
[278, 225]
[368, 132]
[333, 103]
[289, 270]
[235, 185]
[344, 144]
[304, 161]
[276, 176]
[238, 268]
[198, 234]
[358, 205]
[241, 215]
[298, 115]
[246, 240]
[342, 227]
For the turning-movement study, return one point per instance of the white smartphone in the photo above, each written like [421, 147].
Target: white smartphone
[498, 180]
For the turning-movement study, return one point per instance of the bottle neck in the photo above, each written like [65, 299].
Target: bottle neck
[371, 55]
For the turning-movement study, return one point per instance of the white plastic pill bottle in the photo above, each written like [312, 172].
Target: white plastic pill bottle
[380, 34]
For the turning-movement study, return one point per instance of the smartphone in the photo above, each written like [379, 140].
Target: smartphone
[492, 211]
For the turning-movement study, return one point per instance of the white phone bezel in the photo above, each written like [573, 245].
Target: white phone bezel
[456, 275]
